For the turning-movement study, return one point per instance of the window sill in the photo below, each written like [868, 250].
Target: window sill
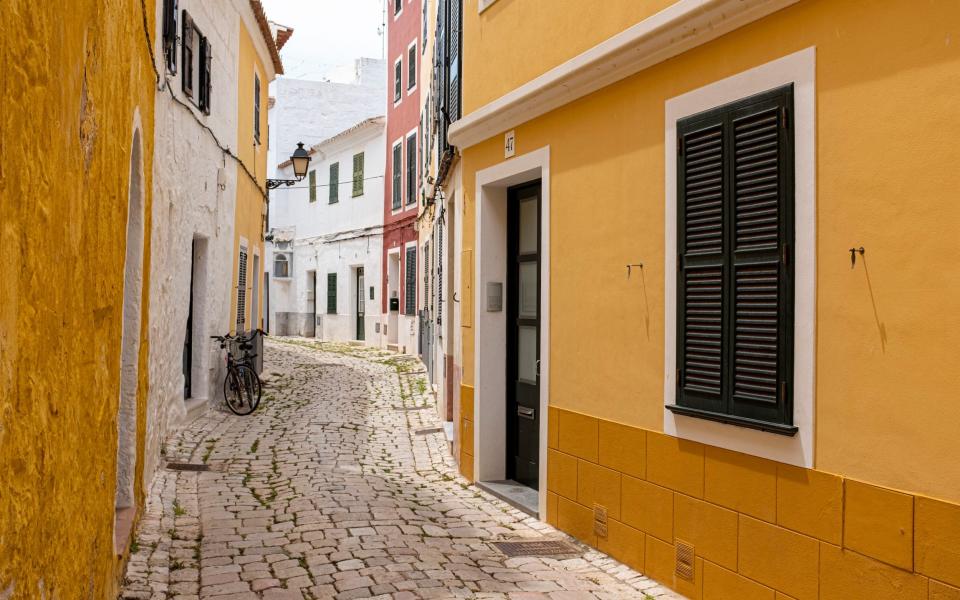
[787, 430]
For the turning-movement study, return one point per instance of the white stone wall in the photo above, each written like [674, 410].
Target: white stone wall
[331, 238]
[313, 111]
[194, 198]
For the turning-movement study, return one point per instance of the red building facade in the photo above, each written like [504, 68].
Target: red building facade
[402, 185]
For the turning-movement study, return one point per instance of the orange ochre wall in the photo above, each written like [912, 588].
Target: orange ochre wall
[886, 478]
[76, 81]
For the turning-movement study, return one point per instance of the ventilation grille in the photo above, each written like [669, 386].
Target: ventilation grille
[600, 520]
[187, 467]
[684, 568]
[549, 548]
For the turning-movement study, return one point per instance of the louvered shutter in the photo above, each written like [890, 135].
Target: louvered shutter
[700, 261]
[397, 175]
[334, 183]
[761, 323]
[410, 291]
[186, 79]
[440, 254]
[207, 67]
[331, 293]
[358, 174]
[735, 278]
[453, 91]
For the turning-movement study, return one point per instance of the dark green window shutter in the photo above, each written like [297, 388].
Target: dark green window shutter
[412, 169]
[312, 178]
[397, 175]
[334, 183]
[453, 90]
[735, 274]
[170, 10]
[358, 175]
[331, 293]
[410, 289]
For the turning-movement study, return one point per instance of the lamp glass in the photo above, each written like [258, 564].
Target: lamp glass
[300, 160]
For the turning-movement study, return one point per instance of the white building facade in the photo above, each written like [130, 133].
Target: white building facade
[195, 201]
[326, 241]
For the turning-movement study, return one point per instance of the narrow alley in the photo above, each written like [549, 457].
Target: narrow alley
[341, 486]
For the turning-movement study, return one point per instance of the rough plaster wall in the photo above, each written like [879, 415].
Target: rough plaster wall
[190, 204]
[72, 83]
[312, 111]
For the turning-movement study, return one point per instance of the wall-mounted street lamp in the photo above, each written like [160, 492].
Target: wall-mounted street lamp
[301, 161]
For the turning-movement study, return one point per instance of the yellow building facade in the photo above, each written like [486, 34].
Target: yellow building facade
[258, 65]
[858, 494]
[76, 138]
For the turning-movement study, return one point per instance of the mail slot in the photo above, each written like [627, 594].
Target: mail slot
[394, 304]
[526, 413]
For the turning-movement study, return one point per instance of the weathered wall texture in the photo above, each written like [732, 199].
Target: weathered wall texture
[74, 84]
[194, 200]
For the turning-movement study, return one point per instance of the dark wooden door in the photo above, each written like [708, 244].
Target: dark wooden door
[188, 336]
[361, 306]
[523, 334]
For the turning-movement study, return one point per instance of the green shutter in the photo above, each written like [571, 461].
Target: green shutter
[331, 293]
[334, 183]
[312, 178]
[358, 175]
[735, 277]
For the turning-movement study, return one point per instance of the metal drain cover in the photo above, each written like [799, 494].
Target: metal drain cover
[187, 467]
[429, 430]
[550, 548]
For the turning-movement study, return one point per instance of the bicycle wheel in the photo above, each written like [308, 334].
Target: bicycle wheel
[252, 382]
[237, 392]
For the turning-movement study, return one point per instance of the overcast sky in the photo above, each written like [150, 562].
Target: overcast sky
[327, 34]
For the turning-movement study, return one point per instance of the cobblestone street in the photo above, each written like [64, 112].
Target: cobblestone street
[329, 491]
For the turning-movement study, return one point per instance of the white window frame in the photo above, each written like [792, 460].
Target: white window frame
[799, 69]
[288, 256]
[416, 80]
[396, 14]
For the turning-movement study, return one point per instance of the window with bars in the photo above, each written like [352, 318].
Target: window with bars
[334, 183]
[358, 174]
[331, 293]
[410, 283]
[312, 179]
[735, 276]
[397, 175]
[412, 168]
[242, 291]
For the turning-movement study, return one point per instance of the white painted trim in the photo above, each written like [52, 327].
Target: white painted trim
[483, 5]
[490, 328]
[682, 26]
[800, 69]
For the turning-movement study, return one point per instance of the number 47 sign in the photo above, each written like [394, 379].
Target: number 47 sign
[509, 144]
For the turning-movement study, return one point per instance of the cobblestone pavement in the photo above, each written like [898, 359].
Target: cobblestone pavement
[328, 491]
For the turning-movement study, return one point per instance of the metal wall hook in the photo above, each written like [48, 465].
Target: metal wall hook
[630, 268]
[853, 255]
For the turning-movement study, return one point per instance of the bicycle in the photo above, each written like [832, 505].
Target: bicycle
[241, 387]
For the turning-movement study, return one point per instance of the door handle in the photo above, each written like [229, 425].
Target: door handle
[538, 367]
[526, 413]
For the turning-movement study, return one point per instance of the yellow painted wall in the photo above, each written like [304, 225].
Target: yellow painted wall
[887, 96]
[251, 206]
[72, 83]
[759, 529]
[529, 37]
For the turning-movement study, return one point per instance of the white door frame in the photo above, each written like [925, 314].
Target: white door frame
[490, 329]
